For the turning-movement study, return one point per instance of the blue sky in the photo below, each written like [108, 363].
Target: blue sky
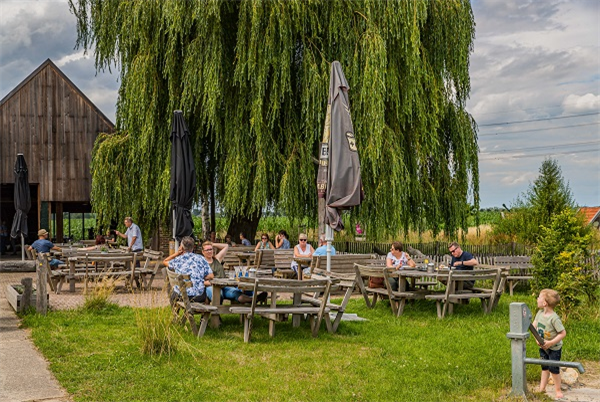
[535, 84]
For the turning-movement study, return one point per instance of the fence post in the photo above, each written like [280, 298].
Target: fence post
[42, 277]
[520, 317]
[26, 297]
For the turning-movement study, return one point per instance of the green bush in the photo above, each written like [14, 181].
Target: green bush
[559, 260]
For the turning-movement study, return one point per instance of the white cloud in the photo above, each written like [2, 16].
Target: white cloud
[578, 104]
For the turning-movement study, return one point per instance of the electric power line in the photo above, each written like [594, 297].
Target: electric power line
[540, 119]
[573, 144]
[540, 129]
[545, 154]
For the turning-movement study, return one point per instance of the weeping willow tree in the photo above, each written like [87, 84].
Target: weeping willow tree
[252, 80]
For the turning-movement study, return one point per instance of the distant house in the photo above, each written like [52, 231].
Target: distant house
[54, 125]
[592, 215]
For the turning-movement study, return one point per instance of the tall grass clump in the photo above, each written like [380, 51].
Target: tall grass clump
[98, 298]
[156, 330]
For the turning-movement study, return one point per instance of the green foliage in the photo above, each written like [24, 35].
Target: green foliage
[156, 331]
[97, 357]
[547, 196]
[559, 260]
[252, 80]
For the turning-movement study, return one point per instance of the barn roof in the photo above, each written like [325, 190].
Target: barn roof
[591, 213]
[49, 63]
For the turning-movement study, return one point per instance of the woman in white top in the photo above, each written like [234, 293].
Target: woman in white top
[397, 258]
[303, 249]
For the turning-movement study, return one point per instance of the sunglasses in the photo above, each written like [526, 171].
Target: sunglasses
[208, 249]
[263, 238]
[452, 251]
[302, 239]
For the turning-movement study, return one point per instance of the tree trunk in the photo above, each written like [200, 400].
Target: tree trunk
[247, 224]
[205, 216]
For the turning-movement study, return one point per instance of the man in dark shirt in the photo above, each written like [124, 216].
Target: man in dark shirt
[461, 260]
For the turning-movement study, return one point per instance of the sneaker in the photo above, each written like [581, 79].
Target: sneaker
[262, 296]
[244, 299]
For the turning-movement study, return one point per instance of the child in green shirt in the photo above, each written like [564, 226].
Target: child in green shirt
[551, 329]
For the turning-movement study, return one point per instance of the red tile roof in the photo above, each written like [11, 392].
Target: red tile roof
[590, 213]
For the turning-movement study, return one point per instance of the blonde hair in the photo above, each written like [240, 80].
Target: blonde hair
[551, 297]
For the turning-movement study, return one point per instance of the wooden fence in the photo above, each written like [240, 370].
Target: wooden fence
[434, 248]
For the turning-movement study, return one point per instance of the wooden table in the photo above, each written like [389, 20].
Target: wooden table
[112, 257]
[245, 258]
[302, 261]
[218, 285]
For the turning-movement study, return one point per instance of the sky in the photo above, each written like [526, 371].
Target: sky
[535, 84]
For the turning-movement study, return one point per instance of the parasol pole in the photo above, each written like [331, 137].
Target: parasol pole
[174, 231]
[22, 247]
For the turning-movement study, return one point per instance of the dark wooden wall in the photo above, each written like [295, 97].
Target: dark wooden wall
[54, 125]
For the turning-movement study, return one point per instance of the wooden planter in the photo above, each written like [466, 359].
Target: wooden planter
[14, 298]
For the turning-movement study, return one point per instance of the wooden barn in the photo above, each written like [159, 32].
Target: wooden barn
[54, 125]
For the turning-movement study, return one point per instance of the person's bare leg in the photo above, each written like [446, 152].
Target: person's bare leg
[544, 380]
[556, 378]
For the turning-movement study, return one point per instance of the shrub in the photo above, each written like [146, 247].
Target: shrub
[559, 260]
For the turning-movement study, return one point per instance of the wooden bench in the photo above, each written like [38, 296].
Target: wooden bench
[519, 269]
[182, 304]
[455, 292]
[363, 273]
[273, 286]
[283, 263]
[152, 262]
[56, 277]
[264, 262]
[347, 284]
[231, 257]
[342, 264]
[503, 275]
[404, 293]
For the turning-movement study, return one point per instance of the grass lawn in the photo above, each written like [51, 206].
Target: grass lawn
[96, 357]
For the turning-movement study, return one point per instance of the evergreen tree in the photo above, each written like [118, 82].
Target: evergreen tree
[251, 77]
[546, 197]
[549, 195]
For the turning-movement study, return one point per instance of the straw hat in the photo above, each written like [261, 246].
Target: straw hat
[42, 232]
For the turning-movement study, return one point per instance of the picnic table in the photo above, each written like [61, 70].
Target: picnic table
[302, 261]
[218, 284]
[246, 257]
[272, 312]
[88, 264]
[408, 292]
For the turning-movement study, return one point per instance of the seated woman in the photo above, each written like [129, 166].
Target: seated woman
[281, 241]
[397, 258]
[264, 243]
[303, 249]
[98, 244]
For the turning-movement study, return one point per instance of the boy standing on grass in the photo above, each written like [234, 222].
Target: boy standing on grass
[551, 329]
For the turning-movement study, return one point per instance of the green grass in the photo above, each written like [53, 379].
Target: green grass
[97, 356]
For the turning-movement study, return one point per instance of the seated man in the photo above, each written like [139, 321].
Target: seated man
[185, 261]
[43, 245]
[462, 261]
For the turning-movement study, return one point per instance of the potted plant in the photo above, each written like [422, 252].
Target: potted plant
[14, 295]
